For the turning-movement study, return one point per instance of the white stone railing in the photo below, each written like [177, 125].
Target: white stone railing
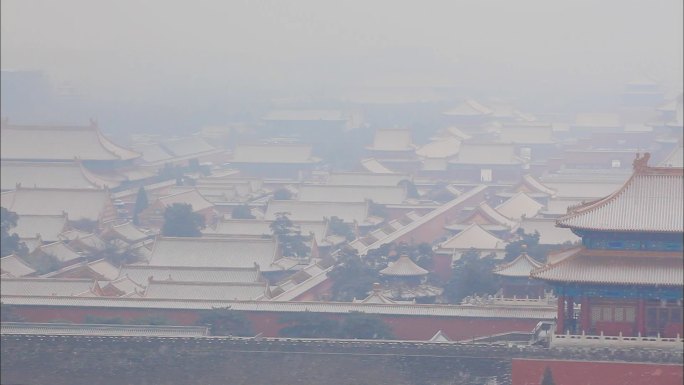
[500, 300]
[587, 340]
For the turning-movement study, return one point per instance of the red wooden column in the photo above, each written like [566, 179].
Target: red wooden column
[560, 316]
[585, 315]
[641, 317]
[570, 312]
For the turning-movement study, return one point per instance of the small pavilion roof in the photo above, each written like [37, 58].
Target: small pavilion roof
[518, 206]
[521, 266]
[651, 200]
[618, 267]
[403, 267]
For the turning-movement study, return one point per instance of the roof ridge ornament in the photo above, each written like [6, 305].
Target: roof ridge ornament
[641, 163]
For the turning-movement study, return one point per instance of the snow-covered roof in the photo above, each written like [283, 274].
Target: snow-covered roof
[521, 267]
[78, 204]
[487, 311]
[218, 252]
[518, 206]
[331, 193]
[392, 139]
[142, 273]
[374, 166]
[403, 267]
[65, 175]
[207, 290]
[618, 267]
[486, 154]
[651, 200]
[473, 237]
[47, 287]
[47, 226]
[78, 142]
[442, 148]
[15, 266]
[549, 233]
[273, 153]
[317, 211]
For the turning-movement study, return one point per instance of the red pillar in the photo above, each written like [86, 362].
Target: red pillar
[570, 313]
[560, 317]
[585, 315]
[641, 317]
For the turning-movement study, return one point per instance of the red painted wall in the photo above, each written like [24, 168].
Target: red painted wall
[434, 228]
[530, 372]
[418, 328]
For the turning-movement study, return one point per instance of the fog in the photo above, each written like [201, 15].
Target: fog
[208, 57]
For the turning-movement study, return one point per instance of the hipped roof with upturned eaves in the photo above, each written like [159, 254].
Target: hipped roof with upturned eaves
[521, 266]
[616, 267]
[403, 267]
[21, 142]
[650, 201]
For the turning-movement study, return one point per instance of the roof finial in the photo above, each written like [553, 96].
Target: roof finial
[641, 163]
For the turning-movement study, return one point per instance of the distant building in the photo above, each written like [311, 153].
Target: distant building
[63, 143]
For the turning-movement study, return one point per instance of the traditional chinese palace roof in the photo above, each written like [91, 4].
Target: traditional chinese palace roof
[403, 267]
[519, 267]
[617, 267]
[650, 201]
[80, 142]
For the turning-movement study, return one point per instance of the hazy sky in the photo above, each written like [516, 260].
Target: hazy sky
[143, 49]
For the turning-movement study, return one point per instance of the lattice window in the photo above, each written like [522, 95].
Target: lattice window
[596, 313]
[607, 314]
[630, 314]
